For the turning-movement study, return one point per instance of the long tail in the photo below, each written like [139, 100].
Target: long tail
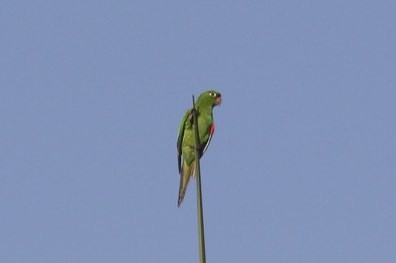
[186, 173]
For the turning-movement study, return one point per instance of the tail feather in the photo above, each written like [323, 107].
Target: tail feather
[187, 172]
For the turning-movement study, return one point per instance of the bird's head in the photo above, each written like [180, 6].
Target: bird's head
[210, 97]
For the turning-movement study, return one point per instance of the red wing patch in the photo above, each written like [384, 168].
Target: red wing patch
[212, 129]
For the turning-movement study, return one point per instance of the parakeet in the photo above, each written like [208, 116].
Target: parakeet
[186, 137]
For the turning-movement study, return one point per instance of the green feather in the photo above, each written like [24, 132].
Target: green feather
[186, 137]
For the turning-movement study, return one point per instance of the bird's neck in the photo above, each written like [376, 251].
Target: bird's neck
[205, 109]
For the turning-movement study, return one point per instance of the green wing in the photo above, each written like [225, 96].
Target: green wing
[182, 128]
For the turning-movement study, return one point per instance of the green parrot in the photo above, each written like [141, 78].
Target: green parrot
[186, 137]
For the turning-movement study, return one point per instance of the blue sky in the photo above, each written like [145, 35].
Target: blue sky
[302, 165]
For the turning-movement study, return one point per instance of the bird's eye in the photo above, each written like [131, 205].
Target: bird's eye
[213, 94]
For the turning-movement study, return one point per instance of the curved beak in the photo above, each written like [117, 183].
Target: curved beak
[218, 101]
